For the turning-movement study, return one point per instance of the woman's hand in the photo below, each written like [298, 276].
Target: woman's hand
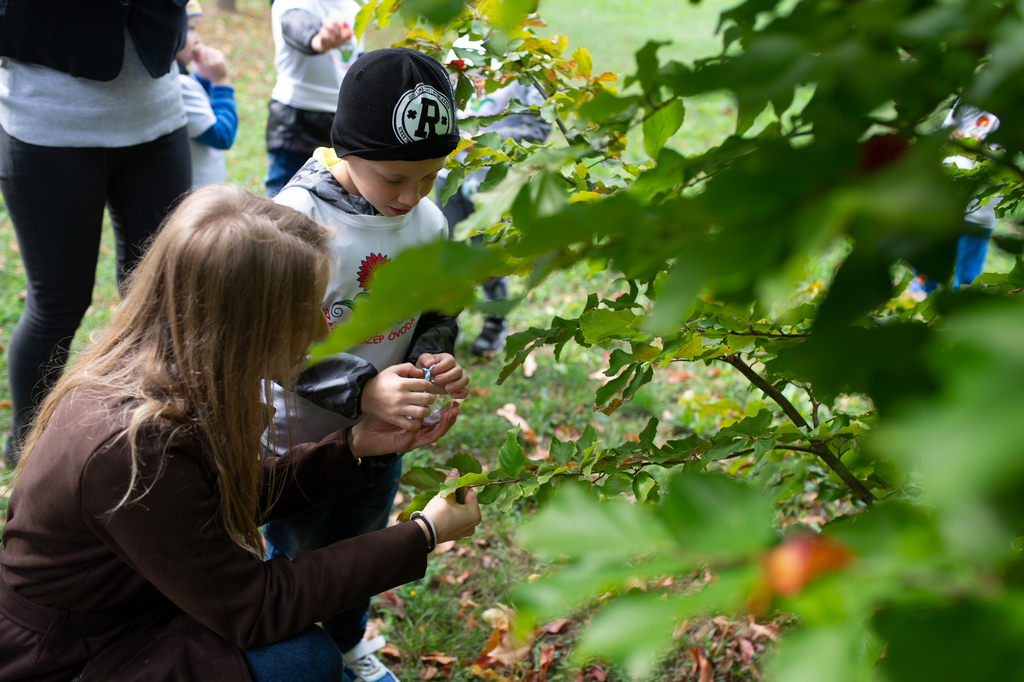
[451, 519]
[398, 396]
[446, 374]
[372, 437]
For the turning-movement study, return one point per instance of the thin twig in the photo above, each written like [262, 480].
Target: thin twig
[818, 448]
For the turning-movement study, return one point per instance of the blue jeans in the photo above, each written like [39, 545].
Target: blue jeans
[346, 517]
[971, 249]
[309, 656]
[281, 166]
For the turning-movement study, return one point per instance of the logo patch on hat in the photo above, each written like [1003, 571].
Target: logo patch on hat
[421, 113]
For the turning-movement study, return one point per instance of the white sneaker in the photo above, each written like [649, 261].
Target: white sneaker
[363, 666]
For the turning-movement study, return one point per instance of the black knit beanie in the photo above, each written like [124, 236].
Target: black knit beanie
[395, 104]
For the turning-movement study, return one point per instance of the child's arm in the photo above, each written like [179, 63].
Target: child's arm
[210, 65]
[307, 34]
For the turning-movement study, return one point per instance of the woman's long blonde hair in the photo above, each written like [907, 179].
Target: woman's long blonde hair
[218, 306]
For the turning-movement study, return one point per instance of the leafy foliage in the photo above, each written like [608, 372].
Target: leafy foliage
[836, 147]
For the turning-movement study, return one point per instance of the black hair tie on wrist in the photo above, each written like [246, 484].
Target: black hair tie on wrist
[429, 523]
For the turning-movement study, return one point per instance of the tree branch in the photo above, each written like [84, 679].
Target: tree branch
[817, 448]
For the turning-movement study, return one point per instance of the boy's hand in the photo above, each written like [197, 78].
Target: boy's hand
[334, 32]
[210, 64]
[399, 396]
[446, 373]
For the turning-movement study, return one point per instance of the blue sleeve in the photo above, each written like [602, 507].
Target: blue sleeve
[221, 135]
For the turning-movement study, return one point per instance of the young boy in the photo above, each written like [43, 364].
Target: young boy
[314, 47]
[394, 128]
[209, 103]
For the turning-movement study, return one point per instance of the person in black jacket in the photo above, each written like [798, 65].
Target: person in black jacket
[90, 118]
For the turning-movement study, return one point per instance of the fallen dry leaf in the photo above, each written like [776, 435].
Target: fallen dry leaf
[471, 622]
[763, 632]
[392, 602]
[597, 673]
[510, 651]
[702, 665]
[482, 392]
[490, 645]
[499, 617]
[529, 366]
[463, 577]
[429, 672]
[555, 626]
[676, 377]
[391, 650]
[438, 658]
[5, 403]
[444, 547]
[540, 455]
[511, 413]
[547, 655]
[373, 628]
[746, 650]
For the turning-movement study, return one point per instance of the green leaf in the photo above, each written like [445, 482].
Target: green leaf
[422, 477]
[649, 433]
[489, 494]
[448, 487]
[561, 452]
[632, 631]
[662, 124]
[418, 504]
[466, 464]
[716, 517]
[754, 426]
[577, 526]
[643, 484]
[510, 455]
[616, 484]
[600, 324]
[614, 386]
[452, 183]
[586, 441]
[398, 293]
[491, 140]
[363, 17]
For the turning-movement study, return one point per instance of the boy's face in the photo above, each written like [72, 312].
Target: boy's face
[192, 38]
[391, 187]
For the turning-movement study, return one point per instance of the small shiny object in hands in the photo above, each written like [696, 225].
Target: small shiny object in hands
[440, 401]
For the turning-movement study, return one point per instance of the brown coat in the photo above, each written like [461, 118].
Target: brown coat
[157, 591]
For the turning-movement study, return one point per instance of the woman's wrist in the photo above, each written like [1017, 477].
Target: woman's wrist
[429, 530]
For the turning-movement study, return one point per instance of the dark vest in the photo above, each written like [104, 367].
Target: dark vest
[85, 38]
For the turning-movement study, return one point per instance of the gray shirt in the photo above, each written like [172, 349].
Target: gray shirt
[46, 107]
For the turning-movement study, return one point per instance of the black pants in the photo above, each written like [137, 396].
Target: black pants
[55, 197]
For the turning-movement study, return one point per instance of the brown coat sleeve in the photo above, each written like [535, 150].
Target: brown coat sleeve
[172, 538]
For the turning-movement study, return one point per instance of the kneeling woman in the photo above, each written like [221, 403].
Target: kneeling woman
[132, 549]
